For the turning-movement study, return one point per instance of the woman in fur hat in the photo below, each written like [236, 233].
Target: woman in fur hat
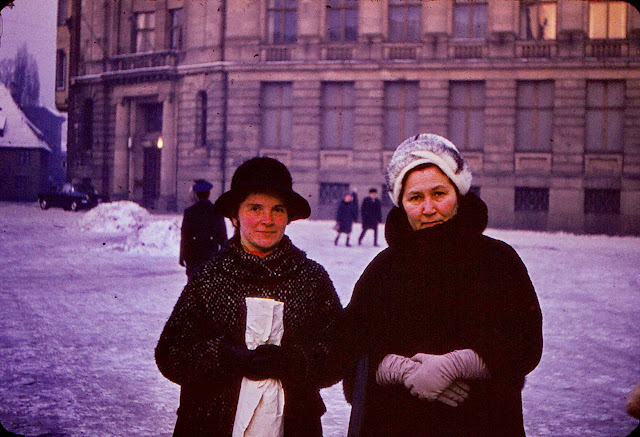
[444, 324]
[202, 347]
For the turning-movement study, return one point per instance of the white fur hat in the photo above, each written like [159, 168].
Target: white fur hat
[427, 149]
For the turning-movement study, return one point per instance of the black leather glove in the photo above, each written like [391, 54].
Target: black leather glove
[271, 361]
[238, 359]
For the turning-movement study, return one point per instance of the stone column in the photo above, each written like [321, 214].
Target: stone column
[120, 188]
[168, 162]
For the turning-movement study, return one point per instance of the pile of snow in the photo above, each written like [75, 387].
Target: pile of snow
[119, 217]
[159, 237]
[144, 233]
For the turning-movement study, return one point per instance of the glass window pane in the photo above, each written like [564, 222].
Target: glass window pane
[393, 95]
[480, 21]
[330, 95]
[413, 25]
[457, 127]
[334, 24]
[411, 95]
[547, 20]
[615, 94]
[286, 128]
[615, 128]
[275, 27]
[476, 130]
[329, 129]
[348, 94]
[351, 25]
[461, 21]
[476, 94]
[595, 94]
[270, 128]
[597, 20]
[617, 20]
[396, 24]
[545, 94]
[290, 28]
[287, 95]
[392, 129]
[525, 94]
[458, 94]
[347, 129]
[410, 123]
[524, 130]
[544, 132]
[594, 126]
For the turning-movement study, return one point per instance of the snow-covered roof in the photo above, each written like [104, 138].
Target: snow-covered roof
[15, 128]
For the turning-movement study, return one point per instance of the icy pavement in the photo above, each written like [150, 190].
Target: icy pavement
[84, 297]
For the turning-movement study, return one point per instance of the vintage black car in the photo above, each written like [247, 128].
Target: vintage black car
[70, 197]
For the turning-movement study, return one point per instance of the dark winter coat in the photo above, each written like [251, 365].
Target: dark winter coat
[437, 290]
[203, 232]
[345, 216]
[371, 213]
[212, 310]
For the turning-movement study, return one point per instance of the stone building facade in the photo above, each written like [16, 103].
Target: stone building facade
[541, 96]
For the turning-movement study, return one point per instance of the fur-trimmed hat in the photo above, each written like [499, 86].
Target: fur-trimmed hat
[427, 149]
[255, 175]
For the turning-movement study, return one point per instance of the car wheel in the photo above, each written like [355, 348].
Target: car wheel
[73, 206]
[44, 204]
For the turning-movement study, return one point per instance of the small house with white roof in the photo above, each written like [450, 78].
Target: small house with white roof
[24, 154]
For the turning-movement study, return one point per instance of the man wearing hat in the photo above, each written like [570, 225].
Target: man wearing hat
[371, 212]
[203, 230]
[203, 348]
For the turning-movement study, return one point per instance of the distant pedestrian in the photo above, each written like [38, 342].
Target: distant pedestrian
[345, 216]
[371, 214]
[356, 205]
[203, 231]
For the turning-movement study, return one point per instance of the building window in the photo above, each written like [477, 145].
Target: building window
[601, 201]
[24, 158]
[332, 193]
[276, 106]
[61, 70]
[607, 19]
[605, 116]
[534, 116]
[400, 112]
[152, 117]
[538, 19]
[62, 12]
[282, 21]
[201, 119]
[342, 20]
[337, 115]
[144, 32]
[86, 125]
[175, 30]
[531, 199]
[470, 19]
[466, 114]
[404, 20]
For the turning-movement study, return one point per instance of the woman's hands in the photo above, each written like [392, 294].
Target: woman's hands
[434, 377]
[266, 361]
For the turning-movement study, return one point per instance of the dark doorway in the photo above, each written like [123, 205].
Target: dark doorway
[151, 177]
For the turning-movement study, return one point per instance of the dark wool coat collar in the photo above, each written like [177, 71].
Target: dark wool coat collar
[470, 220]
[283, 262]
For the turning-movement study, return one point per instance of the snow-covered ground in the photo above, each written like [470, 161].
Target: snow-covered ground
[84, 297]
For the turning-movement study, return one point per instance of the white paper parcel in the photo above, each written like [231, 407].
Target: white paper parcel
[261, 403]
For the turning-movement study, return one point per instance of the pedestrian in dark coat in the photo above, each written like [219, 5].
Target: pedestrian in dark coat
[371, 213]
[444, 324]
[203, 231]
[345, 216]
[202, 347]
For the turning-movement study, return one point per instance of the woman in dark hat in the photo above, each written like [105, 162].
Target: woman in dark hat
[445, 323]
[202, 347]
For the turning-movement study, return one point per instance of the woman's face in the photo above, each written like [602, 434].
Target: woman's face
[429, 198]
[262, 219]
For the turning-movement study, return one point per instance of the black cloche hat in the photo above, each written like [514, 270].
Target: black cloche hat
[259, 174]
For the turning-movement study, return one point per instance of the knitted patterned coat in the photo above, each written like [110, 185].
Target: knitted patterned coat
[212, 308]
